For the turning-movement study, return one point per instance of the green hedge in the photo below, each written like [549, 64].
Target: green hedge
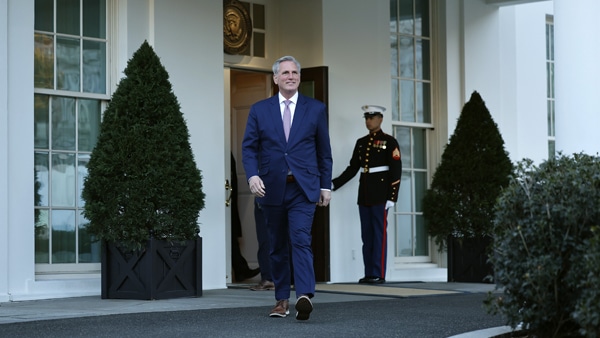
[546, 254]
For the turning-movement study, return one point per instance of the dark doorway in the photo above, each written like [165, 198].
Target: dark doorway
[247, 89]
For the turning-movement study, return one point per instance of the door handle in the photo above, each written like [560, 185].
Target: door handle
[228, 187]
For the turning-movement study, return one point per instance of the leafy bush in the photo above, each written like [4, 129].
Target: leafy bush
[545, 257]
[469, 178]
[587, 308]
[142, 178]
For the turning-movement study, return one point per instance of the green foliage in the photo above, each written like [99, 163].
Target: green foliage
[546, 260]
[142, 178]
[587, 308]
[469, 178]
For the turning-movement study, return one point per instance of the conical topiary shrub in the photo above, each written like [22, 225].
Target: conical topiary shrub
[459, 206]
[469, 178]
[142, 178]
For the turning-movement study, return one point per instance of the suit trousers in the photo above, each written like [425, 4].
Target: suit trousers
[373, 225]
[262, 236]
[290, 225]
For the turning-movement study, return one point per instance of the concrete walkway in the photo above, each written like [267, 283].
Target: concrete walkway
[423, 310]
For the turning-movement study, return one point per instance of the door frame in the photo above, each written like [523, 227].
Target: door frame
[314, 83]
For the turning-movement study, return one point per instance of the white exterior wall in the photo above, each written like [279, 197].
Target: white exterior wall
[359, 74]
[498, 51]
[502, 56]
[17, 215]
[527, 87]
[577, 36]
[4, 259]
[187, 35]
[194, 61]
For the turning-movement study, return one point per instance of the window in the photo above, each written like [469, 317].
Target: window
[550, 85]
[410, 45]
[257, 16]
[70, 80]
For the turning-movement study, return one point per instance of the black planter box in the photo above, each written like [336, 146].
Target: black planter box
[162, 270]
[468, 260]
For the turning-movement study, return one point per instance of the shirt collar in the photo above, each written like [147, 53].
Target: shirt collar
[294, 98]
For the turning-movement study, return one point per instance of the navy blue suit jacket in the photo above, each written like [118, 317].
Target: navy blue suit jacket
[307, 153]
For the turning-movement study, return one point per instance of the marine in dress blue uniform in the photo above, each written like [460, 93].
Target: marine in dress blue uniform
[377, 157]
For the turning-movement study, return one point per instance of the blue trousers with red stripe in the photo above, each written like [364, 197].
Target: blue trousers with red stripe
[373, 224]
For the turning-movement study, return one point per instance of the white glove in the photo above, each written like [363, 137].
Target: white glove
[389, 204]
[257, 187]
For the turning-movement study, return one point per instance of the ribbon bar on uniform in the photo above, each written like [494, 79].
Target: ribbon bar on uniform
[376, 169]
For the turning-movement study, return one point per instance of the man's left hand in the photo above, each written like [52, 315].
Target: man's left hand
[389, 204]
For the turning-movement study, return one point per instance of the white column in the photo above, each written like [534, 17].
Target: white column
[3, 152]
[577, 75]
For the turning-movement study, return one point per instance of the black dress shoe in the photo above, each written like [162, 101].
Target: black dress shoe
[366, 280]
[246, 274]
[375, 280]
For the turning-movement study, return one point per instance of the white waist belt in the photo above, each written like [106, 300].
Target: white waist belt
[376, 169]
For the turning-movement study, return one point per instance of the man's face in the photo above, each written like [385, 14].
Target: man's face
[373, 123]
[288, 78]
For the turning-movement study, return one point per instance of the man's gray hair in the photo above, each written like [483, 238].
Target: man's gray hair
[283, 59]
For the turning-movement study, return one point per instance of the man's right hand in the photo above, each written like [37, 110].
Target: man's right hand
[257, 187]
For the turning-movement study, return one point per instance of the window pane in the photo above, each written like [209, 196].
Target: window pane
[89, 247]
[422, 17]
[553, 117]
[42, 237]
[259, 44]
[63, 180]
[94, 67]
[407, 104]
[421, 237]
[44, 15]
[82, 172]
[420, 189]
[404, 141]
[406, 22]
[41, 121]
[63, 236]
[67, 16]
[394, 54]
[419, 147]
[43, 61]
[549, 116]
[395, 100]
[422, 61]
[547, 42]
[307, 88]
[423, 102]
[407, 57]
[404, 203]
[404, 236]
[42, 177]
[94, 18]
[67, 64]
[89, 124]
[258, 16]
[552, 42]
[63, 123]
[393, 16]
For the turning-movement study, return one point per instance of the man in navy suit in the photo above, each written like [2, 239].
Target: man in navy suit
[287, 157]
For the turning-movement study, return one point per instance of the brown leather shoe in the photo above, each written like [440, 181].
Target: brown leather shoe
[264, 285]
[281, 309]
